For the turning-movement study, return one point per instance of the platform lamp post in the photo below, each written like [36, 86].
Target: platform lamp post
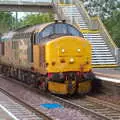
[16, 19]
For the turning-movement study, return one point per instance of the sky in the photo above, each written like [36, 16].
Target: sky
[22, 14]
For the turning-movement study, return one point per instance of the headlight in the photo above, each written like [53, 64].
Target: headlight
[63, 50]
[78, 49]
[71, 60]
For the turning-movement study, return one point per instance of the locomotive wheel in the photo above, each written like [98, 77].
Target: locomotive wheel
[44, 85]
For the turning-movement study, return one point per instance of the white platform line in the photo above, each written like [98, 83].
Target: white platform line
[9, 113]
[109, 79]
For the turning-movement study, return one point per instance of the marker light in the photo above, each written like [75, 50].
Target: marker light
[53, 63]
[63, 50]
[62, 61]
[71, 60]
[78, 49]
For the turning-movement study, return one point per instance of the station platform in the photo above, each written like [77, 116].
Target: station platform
[4, 115]
[108, 74]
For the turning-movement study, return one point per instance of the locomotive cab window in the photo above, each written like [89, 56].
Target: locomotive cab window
[58, 29]
[61, 29]
[48, 31]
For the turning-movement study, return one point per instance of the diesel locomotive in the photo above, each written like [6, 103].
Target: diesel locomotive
[53, 57]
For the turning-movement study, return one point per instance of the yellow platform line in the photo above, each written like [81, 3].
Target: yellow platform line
[89, 31]
[66, 4]
[105, 66]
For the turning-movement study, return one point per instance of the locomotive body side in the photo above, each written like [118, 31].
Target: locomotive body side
[16, 53]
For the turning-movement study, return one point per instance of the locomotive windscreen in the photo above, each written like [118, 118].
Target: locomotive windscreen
[58, 29]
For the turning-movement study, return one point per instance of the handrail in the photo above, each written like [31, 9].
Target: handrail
[105, 31]
[56, 5]
[58, 9]
[83, 11]
[97, 23]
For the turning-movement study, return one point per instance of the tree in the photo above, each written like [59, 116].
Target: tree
[6, 21]
[36, 19]
[113, 26]
[109, 11]
[102, 8]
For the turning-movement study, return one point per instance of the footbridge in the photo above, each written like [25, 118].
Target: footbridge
[26, 5]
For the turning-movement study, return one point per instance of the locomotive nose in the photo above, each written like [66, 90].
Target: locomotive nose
[71, 46]
[68, 53]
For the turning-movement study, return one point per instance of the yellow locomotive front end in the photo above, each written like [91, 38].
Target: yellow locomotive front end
[63, 56]
[68, 58]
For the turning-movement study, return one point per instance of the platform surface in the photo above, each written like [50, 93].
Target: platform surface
[4, 115]
[108, 74]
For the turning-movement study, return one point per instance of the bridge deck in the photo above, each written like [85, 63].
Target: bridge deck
[26, 6]
[20, 2]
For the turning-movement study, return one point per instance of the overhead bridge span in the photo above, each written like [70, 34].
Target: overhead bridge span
[26, 5]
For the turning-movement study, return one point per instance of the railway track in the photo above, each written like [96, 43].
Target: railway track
[93, 107]
[23, 113]
[101, 108]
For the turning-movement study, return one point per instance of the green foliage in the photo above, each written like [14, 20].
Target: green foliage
[102, 8]
[6, 21]
[109, 11]
[113, 26]
[36, 19]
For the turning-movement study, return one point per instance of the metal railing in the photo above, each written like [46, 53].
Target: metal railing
[59, 11]
[83, 12]
[118, 55]
[97, 23]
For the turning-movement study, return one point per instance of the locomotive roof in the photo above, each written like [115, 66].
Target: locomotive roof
[25, 29]
[29, 29]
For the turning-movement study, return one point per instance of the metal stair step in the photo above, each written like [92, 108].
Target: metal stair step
[96, 40]
[98, 48]
[100, 63]
[103, 55]
[71, 13]
[100, 60]
[82, 24]
[96, 43]
[94, 37]
[92, 34]
[100, 45]
[104, 58]
[78, 16]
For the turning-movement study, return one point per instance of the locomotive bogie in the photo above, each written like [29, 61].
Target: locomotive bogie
[84, 87]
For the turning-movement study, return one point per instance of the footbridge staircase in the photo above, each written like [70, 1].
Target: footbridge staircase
[104, 52]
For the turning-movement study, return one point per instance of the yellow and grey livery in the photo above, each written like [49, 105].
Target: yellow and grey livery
[55, 56]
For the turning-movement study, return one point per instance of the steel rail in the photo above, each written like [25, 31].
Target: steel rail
[32, 109]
